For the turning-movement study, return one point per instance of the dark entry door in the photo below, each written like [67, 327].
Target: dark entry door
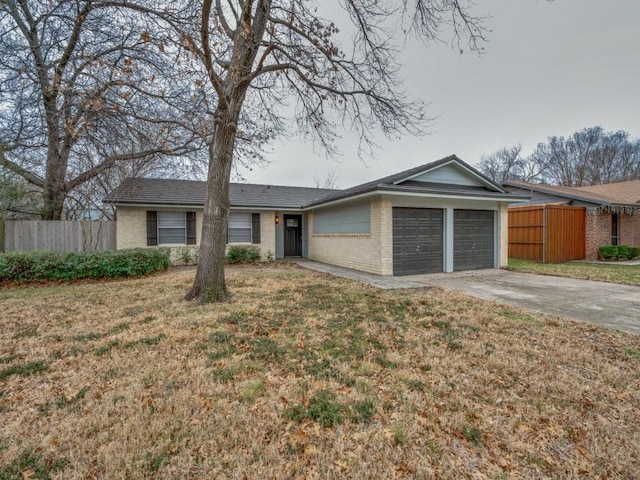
[293, 235]
[417, 240]
[473, 239]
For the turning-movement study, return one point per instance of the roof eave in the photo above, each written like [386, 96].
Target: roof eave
[498, 197]
[340, 198]
[390, 189]
[201, 205]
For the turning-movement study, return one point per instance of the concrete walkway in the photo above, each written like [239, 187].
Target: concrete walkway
[607, 304]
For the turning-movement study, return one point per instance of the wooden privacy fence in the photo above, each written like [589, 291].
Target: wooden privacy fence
[547, 233]
[59, 236]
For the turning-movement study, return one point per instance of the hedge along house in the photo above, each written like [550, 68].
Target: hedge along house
[438, 217]
[612, 210]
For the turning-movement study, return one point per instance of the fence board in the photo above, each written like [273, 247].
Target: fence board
[547, 233]
[59, 236]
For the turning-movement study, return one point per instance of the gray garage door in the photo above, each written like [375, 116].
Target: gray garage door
[417, 240]
[473, 239]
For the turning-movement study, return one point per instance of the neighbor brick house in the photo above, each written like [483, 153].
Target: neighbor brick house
[612, 210]
[438, 217]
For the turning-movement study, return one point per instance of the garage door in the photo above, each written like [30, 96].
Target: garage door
[417, 240]
[473, 239]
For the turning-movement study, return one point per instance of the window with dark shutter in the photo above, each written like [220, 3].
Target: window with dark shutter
[239, 228]
[191, 228]
[152, 228]
[255, 228]
[172, 228]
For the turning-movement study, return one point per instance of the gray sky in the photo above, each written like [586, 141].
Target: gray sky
[549, 69]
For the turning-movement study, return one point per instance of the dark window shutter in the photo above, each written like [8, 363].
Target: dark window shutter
[152, 228]
[191, 228]
[255, 228]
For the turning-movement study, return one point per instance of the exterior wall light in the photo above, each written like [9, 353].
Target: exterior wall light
[277, 219]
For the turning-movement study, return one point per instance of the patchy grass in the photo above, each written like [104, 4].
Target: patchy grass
[306, 376]
[604, 272]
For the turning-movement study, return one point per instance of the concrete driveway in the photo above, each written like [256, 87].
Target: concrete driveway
[607, 304]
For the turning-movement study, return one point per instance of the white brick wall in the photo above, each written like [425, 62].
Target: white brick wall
[131, 230]
[367, 252]
[374, 252]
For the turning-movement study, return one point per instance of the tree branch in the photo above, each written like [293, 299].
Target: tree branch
[71, 46]
[17, 169]
[108, 163]
[215, 80]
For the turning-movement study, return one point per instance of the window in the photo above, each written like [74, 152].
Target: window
[240, 228]
[172, 228]
[614, 229]
[179, 228]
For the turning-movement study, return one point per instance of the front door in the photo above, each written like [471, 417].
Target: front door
[293, 235]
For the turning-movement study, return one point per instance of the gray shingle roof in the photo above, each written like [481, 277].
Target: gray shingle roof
[158, 191]
[155, 191]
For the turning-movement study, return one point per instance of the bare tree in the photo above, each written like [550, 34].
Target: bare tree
[83, 85]
[256, 54]
[505, 164]
[86, 200]
[330, 180]
[589, 157]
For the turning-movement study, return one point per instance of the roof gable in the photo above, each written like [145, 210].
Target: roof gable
[453, 172]
[431, 180]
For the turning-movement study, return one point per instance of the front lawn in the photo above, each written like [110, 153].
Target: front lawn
[604, 272]
[304, 375]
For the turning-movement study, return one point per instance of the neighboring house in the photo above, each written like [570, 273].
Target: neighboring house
[438, 217]
[612, 210]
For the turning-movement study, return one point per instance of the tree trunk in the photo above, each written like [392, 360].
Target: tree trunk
[209, 284]
[53, 194]
[53, 200]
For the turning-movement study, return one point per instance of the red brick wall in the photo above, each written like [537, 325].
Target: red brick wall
[630, 230]
[598, 233]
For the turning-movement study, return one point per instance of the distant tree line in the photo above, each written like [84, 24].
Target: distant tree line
[590, 156]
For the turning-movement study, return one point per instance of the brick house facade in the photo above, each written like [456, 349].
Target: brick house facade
[437, 217]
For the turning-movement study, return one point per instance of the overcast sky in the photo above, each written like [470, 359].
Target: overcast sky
[548, 69]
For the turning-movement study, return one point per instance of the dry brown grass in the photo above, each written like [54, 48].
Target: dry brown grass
[611, 272]
[135, 383]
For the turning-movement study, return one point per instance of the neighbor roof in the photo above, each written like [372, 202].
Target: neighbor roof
[603, 195]
[158, 191]
[628, 192]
